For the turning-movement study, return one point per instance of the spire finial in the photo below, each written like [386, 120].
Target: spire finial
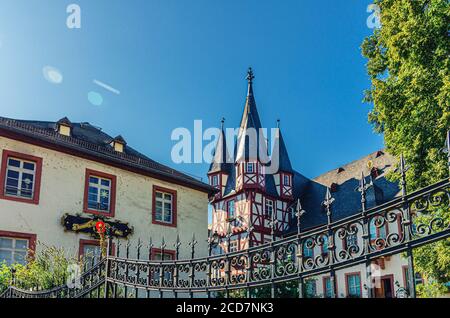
[327, 204]
[278, 123]
[222, 121]
[250, 75]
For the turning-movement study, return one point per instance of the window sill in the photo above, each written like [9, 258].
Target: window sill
[173, 224]
[97, 212]
[19, 199]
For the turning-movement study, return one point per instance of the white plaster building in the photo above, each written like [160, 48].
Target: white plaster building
[50, 169]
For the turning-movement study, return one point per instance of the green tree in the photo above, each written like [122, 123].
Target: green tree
[45, 270]
[408, 64]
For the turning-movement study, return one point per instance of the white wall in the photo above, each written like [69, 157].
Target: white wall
[62, 191]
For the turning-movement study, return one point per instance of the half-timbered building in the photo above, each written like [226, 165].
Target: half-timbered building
[253, 207]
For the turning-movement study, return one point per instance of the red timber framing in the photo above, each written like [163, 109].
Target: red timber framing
[220, 184]
[250, 208]
[286, 188]
[37, 177]
[250, 180]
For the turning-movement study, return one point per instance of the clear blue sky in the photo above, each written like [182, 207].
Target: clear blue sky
[175, 61]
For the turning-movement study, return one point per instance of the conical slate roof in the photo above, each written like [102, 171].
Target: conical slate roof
[221, 161]
[280, 155]
[251, 143]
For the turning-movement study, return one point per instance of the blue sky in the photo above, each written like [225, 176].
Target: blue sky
[176, 61]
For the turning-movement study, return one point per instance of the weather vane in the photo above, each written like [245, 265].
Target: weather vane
[250, 75]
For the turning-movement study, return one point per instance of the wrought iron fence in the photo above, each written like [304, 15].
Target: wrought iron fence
[422, 217]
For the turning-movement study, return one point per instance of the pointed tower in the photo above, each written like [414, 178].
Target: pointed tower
[280, 161]
[249, 209]
[251, 146]
[221, 164]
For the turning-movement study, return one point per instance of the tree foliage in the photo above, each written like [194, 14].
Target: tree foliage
[408, 64]
[45, 270]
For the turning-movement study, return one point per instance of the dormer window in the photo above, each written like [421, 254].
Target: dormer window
[215, 180]
[64, 126]
[118, 144]
[287, 180]
[250, 167]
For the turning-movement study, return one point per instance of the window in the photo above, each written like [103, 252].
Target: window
[268, 208]
[214, 180]
[250, 167]
[375, 231]
[287, 179]
[100, 192]
[405, 277]
[327, 288]
[307, 251]
[20, 177]
[353, 282]
[90, 252]
[157, 254]
[15, 248]
[324, 247]
[233, 246]
[164, 206]
[231, 209]
[350, 240]
[310, 288]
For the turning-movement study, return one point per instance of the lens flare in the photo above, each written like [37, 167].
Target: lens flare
[95, 98]
[52, 75]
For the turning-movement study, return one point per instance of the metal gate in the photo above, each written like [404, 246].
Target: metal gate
[422, 217]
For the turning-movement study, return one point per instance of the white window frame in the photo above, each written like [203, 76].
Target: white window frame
[272, 205]
[163, 200]
[215, 180]
[288, 178]
[252, 165]
[20, 170]
[13, 249]
[100, 187]
[234, 246]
